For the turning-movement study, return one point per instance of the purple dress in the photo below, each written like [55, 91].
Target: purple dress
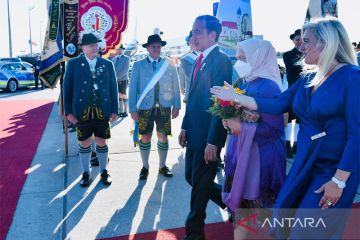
[269, 138]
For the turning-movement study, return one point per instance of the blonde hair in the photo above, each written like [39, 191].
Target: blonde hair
[330, 32]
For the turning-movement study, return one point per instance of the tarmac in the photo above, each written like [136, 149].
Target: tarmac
[52, 205]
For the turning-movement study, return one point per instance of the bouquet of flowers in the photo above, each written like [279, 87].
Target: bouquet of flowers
[229, 109]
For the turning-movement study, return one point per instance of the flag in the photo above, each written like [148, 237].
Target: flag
[52, 54]
[236, 22]
[321, 8]
[135, 133]
[107, 19]
[71, 29]
[215, 8]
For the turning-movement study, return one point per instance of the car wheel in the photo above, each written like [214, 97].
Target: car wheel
[12, 85]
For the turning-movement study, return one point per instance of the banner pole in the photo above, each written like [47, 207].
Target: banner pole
[62, 71]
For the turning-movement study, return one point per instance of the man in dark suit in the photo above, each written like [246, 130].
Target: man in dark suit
[90, 102]
[201, 132]
[293, 70]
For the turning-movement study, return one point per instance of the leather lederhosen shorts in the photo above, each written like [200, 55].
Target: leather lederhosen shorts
[93, 122]
[158, 114]
[122, 86]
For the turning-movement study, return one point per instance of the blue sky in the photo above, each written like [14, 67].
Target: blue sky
[275, 19]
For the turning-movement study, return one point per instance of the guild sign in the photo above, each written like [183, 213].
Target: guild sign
[96, 21]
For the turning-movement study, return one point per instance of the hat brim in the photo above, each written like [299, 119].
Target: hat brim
[88, 43]
[163, 43]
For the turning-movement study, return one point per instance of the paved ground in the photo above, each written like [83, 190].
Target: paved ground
[52, 205]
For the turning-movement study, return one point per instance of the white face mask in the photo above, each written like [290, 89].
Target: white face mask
[242, 68]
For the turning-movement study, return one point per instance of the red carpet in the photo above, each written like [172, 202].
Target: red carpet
[220, 231]
[214, 231]
[22, 124]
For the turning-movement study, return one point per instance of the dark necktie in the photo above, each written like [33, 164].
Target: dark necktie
[154, 65]
[197, 67]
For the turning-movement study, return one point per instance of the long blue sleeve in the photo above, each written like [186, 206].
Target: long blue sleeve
[68, 87]
[176, 90]
[133, 86]
[350, 160]
[113, 90]
[280, 104]
[270, 126]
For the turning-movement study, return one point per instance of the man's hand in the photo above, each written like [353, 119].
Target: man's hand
[71, 118]
[113, 117]
[135, 116]
[210, 154]
[182, 138]
[174, 113]
[225, 124]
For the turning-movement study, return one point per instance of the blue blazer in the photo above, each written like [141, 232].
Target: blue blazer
[78, 86]
[202, 127]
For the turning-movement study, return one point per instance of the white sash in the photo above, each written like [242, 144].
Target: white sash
[153, 82]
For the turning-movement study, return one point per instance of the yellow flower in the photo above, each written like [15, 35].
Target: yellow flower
[237, 90]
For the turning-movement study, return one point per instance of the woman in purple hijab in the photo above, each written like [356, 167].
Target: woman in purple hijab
[255, 160]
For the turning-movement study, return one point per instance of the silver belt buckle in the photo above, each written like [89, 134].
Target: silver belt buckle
[319, 135]
[157, 105]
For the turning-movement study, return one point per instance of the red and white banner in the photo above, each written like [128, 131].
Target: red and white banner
[107, 19]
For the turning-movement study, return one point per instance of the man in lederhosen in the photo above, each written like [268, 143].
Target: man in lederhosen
[154, 97]
[122, 64]
[186, 67]
[90, 102]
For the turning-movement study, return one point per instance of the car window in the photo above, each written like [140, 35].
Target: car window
[18, 66]
[27, 65]
[6, 67]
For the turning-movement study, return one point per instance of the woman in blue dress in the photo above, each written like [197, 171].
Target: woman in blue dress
[326, 169]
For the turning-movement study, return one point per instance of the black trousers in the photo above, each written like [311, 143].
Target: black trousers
[37, 79]
[201, 178]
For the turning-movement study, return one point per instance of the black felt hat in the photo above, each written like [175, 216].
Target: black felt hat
[89, 38]
[154, 39]
[296, 33]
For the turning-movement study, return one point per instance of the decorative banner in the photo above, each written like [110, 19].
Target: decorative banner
[107, 19]
[321, 8]
[52, 55]
[71, 43]
[215, 8]
[236, 23]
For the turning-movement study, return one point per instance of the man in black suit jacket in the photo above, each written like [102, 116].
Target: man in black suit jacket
[293, 70]
[202, 133]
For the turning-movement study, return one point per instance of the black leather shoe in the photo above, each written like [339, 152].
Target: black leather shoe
[165, 171]
[144, 173]
[105, 177]
[194, 236]
[124, 115]
[85, 180]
